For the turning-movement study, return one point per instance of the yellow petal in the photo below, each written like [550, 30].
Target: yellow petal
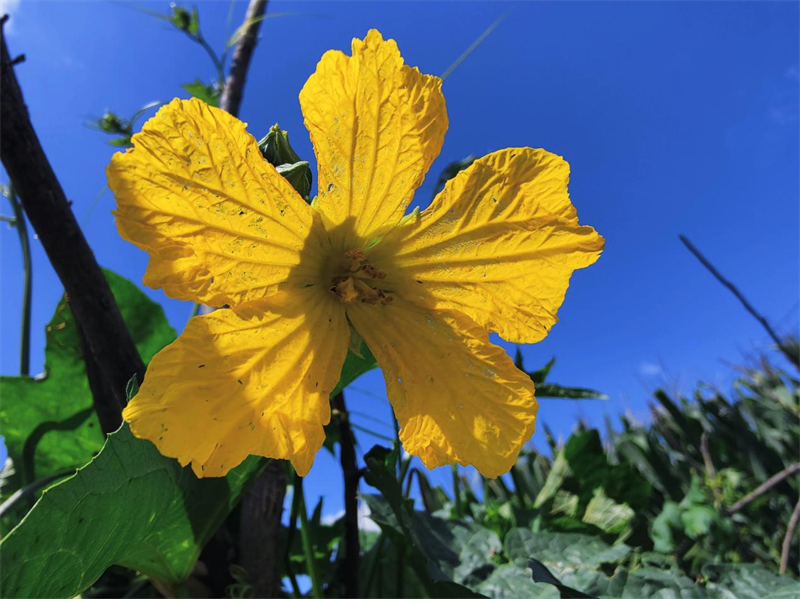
[376, 125]
[499, 244]
[253, 380]
[458, 398]
[220, 224]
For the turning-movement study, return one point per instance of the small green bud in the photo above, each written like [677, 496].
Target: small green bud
[277, 150]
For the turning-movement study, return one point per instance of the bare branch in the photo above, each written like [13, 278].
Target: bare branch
[764, 487]
[234, 85]
[787, 540]
[107, 340]
[790, 355]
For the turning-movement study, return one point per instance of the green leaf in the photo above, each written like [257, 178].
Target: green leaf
[661, 584]
[606, 514]
[582, 466]
[207, 93]
[48, 421]
[554, 391]
[430, 543]
[354, 366]
[663, 525]
[129, 506]
[510, 581]
[184, 20]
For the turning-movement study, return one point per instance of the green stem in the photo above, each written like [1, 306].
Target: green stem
[305, 535]
[457, 492]
[27, 296]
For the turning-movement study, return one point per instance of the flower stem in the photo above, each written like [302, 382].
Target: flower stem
[305, 536]
[27, 267]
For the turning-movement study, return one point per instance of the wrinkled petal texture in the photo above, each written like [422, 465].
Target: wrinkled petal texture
[376, 126]
[220, 224]
[457, 397]
[499, 244]
[250, 380]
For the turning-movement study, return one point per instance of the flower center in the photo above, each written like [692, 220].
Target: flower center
[356, 281]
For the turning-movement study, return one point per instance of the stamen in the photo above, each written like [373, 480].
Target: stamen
[350, 286]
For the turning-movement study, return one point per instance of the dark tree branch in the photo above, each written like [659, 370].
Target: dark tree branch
[234, 85]
[107, 340]
[348, 567]
[790, 355]
[260, 551]
[764, 487]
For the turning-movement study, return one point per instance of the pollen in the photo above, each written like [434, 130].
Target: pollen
[355, 282]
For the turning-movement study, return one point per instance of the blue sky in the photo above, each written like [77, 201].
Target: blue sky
[676, 117]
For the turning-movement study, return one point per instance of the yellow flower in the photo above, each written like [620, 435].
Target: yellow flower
[493, 252]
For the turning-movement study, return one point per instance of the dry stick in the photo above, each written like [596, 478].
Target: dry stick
[764, 487]
[262, 504]
[348, 568]
[794, 359]
[787, 540]
[107, 342]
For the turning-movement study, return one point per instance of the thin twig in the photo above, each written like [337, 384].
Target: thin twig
[232, 93]
[27, 295]
[108, 341]
[473, 46]
[764, 487]
[787, 540]
[348, 568]
[792, 357]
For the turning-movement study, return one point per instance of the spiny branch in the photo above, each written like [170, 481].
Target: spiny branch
[234, 85]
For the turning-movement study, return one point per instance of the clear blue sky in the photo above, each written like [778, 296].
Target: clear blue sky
[676, 117]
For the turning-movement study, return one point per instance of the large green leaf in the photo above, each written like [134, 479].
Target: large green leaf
[562, 551]
[129, 506]
[748, 581]
[48, 421]
[510, 581]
